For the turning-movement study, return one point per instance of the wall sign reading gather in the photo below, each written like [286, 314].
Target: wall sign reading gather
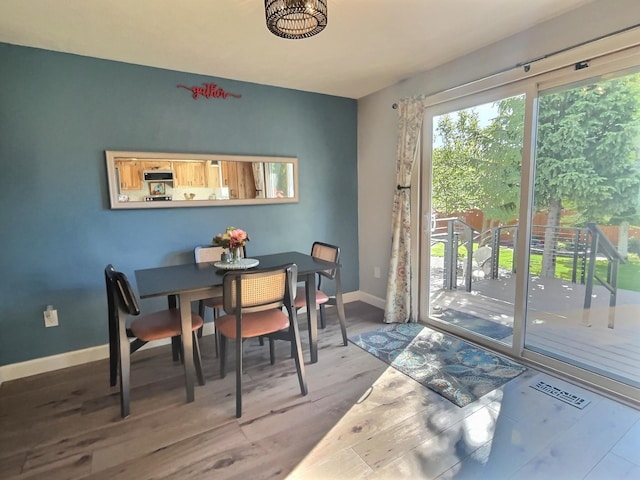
[209, 90]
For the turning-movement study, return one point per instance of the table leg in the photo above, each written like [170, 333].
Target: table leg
[312, 315]
[187, 345]
[340, 307]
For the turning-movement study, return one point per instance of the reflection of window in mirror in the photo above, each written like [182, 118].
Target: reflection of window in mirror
[279, 180]
[215, 182]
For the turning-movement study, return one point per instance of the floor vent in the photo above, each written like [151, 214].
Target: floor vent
[560, 394]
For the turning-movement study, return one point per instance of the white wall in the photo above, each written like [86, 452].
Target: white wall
[377, 120]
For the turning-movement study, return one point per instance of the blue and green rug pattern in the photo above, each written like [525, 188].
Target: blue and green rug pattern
[457, 370]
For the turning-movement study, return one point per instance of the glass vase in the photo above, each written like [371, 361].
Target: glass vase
[236, 255]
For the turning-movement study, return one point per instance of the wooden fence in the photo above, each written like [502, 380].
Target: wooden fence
[475, 219]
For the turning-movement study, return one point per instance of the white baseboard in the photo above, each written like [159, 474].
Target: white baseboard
[370, 299]
[78, 357]
[54, 362]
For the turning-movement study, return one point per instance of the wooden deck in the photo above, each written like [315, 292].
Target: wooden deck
[555, 323]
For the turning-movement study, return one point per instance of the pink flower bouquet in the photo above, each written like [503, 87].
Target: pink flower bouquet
[232, 238]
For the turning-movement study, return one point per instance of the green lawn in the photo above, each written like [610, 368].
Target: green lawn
[628, 273]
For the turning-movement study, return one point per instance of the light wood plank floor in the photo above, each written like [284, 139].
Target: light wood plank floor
[361, 419]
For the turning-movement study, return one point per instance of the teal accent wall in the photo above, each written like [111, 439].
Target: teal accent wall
[60, 112]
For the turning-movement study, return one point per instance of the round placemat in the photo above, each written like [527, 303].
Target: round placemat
[240, 264]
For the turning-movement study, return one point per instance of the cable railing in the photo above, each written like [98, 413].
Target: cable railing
[582, 245]
[548, 242]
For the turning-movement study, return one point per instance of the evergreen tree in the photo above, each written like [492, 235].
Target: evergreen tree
[586, 155]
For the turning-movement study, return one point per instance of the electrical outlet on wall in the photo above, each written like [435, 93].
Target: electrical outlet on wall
[50, 317]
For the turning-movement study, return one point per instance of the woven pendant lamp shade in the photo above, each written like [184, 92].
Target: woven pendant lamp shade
[295, 19]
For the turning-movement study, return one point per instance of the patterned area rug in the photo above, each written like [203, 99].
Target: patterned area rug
[457, 370]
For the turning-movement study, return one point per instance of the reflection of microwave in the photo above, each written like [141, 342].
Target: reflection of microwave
[158, 176]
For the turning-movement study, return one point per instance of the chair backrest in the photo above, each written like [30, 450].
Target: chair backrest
[328, 252]
[212, 253]
[482, 254]
[208, 253]
[119, 294]
[262, 289]
[109, 271]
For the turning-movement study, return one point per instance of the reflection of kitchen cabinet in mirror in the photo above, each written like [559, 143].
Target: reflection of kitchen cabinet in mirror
[165, 180]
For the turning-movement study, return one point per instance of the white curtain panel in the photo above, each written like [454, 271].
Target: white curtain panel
[258, 178]
[398, 303]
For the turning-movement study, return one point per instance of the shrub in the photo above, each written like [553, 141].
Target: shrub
[634, 246]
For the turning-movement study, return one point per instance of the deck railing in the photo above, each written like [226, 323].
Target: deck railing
[582, 244]
[567, 242]
[454, 233]
[601, 246]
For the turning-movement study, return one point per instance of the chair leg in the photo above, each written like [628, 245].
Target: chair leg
[216, 335]
[125, 371]
[309, 329]
[343, 326]
[197, 359]
[272, 351]
[323, 323]
[223, 356]
[293, 347]
[180, 350]
[201, 312]
[175, 348]
[238, 377]
[113, 361]
[294, 333]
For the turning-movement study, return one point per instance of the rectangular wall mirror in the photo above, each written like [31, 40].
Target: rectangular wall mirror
[165, 180]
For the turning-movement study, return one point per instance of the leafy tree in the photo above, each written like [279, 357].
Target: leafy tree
[478, 167]
[456, 162]
[502, 145]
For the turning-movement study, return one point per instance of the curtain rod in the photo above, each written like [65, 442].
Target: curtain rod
[527, 64]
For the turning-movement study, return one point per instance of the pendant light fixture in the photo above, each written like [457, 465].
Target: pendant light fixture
[295, 19]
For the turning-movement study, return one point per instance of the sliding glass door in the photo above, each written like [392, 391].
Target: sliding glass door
[584, 271]
[530, 216]
[473, 220]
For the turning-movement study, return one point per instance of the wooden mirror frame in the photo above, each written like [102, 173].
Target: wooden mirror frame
[174, 180]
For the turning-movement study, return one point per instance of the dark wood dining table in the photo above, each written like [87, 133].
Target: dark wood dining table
[195, 281]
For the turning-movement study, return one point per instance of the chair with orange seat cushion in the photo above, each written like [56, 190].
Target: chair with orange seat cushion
[159, 325]
[211, 254]
[253, 301]
[330, 253]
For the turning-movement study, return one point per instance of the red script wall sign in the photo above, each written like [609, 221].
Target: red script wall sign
[210, 90]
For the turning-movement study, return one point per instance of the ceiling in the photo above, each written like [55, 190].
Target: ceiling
[367, 45]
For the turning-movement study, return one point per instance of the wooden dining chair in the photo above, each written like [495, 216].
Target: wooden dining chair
[211, 254]
[330, 253]
[123, 340]
[253, 301]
